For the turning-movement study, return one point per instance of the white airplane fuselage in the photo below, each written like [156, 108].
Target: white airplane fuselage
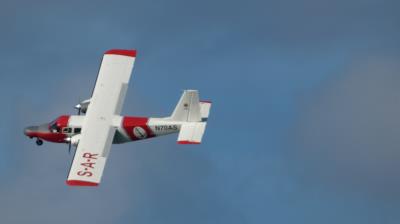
[68, 128]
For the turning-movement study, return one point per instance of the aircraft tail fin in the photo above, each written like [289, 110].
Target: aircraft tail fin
[188, 107]
[194, 113]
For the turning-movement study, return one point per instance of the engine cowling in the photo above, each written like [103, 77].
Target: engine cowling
[83, 106]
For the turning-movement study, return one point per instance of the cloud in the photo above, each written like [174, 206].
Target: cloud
[347, 137]
[251, 58]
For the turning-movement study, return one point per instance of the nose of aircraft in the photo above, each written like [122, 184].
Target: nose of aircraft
[30, 130]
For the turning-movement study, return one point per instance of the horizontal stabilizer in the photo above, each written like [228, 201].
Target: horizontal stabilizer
[191, 132]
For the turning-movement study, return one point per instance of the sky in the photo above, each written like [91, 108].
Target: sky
[303, 129]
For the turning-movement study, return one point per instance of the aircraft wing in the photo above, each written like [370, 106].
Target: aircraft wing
[99, 126]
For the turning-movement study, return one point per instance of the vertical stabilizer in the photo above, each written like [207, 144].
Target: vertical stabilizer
[188, 107]
[192, 114]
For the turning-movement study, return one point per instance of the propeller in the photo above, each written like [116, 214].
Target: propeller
[69, 148]
[69, 142]
[72, 141]
[82, 106]
[79, 108]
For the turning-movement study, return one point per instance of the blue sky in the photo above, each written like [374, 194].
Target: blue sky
[303, 129]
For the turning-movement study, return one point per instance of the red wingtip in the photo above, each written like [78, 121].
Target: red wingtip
[81, 183]
[129, 53]
[205, 101]
[187, 142]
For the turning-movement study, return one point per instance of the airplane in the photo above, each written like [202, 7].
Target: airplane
[99, 123]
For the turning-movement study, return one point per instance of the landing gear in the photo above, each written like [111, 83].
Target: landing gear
[39, 142]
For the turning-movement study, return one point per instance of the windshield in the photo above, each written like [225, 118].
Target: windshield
[53, 126]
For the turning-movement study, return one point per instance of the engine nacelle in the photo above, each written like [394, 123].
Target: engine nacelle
[83, 106]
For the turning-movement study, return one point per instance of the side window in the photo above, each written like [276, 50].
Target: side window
[66, 130]
[77, 130]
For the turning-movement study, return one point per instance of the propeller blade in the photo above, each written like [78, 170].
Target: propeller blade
[78, 107]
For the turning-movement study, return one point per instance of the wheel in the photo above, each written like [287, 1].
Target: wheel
[39, 142]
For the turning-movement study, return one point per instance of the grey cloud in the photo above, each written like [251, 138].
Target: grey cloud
[251, 58]
[347, 137]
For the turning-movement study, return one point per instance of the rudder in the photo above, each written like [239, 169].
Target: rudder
[205, 107]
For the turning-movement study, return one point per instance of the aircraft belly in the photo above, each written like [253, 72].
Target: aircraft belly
[120, 137]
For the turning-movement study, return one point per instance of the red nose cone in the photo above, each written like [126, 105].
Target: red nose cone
[29, 131]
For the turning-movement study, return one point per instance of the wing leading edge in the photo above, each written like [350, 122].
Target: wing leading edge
[98, 127]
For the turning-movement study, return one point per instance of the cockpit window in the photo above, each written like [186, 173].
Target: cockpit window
[53, 127]
[77, 130]
[67, 130]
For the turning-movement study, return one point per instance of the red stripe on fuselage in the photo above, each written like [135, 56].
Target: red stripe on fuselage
[140, 123]
[51, 137]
